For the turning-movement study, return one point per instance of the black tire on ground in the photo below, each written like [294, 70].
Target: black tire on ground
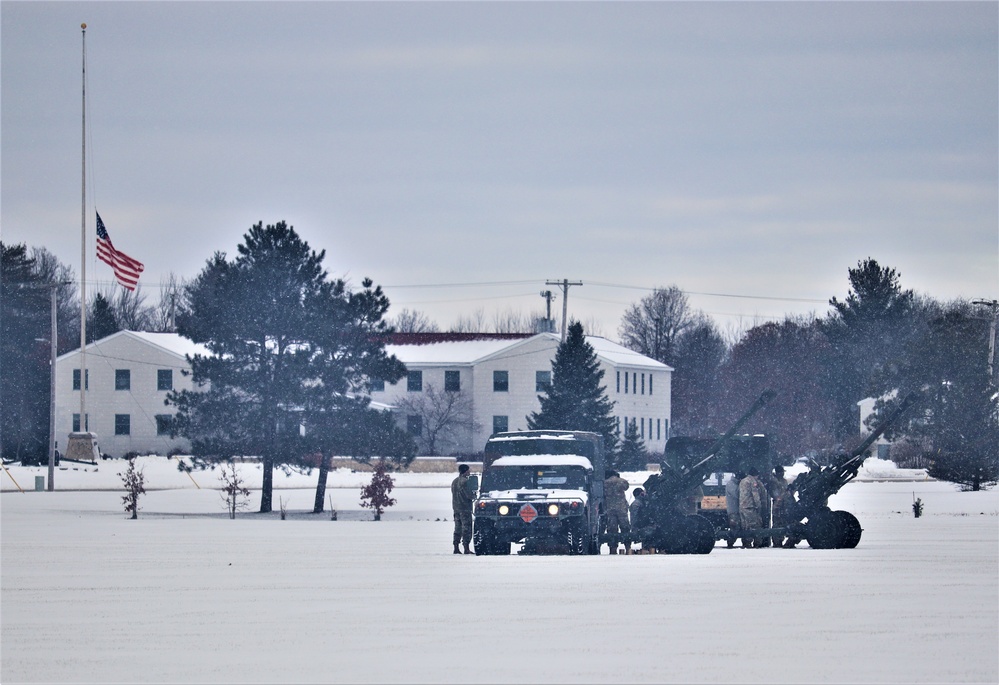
[482, 541]
[575, 536]
[823, 531]
[702, 534]
[678, 535]
[849, 529]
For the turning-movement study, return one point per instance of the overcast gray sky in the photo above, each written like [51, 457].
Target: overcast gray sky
[756, 150]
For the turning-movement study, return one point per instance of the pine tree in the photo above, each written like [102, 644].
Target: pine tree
[868, 333]
[576, 400]
[288, 346]
[956, 423]
[632, 456]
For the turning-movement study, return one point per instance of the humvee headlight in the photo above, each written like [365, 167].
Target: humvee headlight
[553, 510]
[504, 510]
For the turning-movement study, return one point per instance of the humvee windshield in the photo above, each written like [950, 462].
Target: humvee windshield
[527, 446]
[534, 478]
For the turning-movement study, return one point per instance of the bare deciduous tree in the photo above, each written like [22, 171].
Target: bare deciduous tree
[653, 325]
[162, 317]
[470, 323]
[414, 321]
[443, 414]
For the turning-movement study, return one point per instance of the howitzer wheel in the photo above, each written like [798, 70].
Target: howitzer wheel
[849, 529]
[702, 535]
[823, 531]
[691, 534]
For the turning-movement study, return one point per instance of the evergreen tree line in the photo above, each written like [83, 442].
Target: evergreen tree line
[881, 342]
[294, 349]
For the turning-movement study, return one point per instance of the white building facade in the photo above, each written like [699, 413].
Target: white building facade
[503, 375]
[499, 377]
[128, 377]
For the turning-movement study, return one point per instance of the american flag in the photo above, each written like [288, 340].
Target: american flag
[126, 269]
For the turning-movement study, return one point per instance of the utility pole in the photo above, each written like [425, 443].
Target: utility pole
[564, 284]
[994, 304]
[549, 324]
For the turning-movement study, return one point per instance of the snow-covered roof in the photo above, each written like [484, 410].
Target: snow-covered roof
[620, 355]
[448, 352]
[466, 352]
[173, 343]
[544, 460]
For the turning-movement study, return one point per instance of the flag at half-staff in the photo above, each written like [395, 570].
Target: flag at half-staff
[126, 269]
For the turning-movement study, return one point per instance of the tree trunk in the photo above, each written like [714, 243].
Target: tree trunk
[324, 469]
[267, 487]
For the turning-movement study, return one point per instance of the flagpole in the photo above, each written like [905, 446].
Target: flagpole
[83, 250]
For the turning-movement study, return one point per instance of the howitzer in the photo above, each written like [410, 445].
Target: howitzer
[809, 494]
[667, 527]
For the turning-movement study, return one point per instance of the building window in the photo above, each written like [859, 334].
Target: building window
[414, 424]
[642, 420]
[643, 383]
[634, 382]
[122, 379]
[164, 379]
[659, 433]
[542, 380]
[377, 384]
[76, 423]
[164, 422]
[76, 379]
[650, 383]
[501, 424]
[452, 381]
[626, 383]
[666, 428]
[414, 381]
[618, 381]
[122, 424]
[501, 381]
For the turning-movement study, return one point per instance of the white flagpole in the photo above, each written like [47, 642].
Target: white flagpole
[83, 251]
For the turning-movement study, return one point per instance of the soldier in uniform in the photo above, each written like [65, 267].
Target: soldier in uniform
[732, 508]
[637, 514]
[461, 504]
[779, 494]
[752, 497]
[616, 503]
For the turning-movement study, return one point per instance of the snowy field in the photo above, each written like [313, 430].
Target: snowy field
[185, 595]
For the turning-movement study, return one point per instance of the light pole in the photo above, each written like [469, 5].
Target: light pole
[53, 337]
[994, 304]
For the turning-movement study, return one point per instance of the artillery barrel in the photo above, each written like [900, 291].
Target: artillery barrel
[760, 402]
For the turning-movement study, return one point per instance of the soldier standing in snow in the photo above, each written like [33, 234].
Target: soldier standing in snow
[616, 501]
[732, 508]
[637, 514]
[778, 492]
[461, 504]
[752, 496]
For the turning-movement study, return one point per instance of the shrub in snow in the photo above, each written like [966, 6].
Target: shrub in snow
[375, 495]
[233, 492]
[134, 482]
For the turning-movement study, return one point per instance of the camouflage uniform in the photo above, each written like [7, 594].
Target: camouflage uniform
[752, 496]
[638, 515]
[461, 504]
[732, 510]
[779, 494]
[616, 504]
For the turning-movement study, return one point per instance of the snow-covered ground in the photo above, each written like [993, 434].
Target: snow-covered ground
[184, 594]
